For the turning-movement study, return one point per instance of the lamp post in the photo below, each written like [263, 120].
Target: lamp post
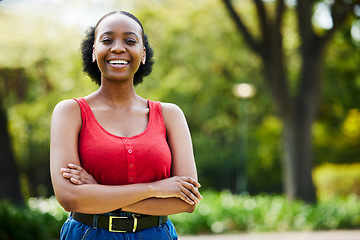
[243, 91]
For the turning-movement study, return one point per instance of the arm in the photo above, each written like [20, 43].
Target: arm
[183, 164]
[95, 198]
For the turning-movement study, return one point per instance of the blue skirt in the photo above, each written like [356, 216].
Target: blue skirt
[74, 230]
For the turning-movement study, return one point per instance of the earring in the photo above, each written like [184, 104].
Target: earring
[93, 58]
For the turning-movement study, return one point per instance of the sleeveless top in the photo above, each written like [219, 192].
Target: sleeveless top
[116, 160]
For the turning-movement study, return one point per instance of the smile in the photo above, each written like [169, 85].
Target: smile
[118, 62]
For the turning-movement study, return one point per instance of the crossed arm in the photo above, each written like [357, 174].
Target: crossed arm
[182, 189]
[78, 191]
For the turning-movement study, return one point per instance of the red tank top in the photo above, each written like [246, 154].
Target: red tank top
[116, 160]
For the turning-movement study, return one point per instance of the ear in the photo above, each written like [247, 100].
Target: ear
[93, 55]
[144, 56]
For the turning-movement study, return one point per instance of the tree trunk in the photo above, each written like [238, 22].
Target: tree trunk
[297, 130]
[9, 177]
[298, 114]
[298, 156]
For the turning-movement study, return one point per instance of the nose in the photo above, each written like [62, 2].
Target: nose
[118, 47]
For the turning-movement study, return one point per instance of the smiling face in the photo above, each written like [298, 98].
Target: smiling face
[118, 47]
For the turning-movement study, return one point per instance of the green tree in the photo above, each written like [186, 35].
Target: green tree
[199, 57]
[38, 69]
[298, 107]
[336, 136]
[9, 177]
[196, 68]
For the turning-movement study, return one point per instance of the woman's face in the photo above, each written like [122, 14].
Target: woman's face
[118, 47]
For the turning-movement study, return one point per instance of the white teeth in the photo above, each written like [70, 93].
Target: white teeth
[118, 62]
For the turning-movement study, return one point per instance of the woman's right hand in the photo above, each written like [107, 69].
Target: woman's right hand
[185, 188]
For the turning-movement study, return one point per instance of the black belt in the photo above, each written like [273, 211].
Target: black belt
[120, 224]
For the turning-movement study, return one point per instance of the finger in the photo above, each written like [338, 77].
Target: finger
[68, 170]
[190, 195]
[76, 181]
[186, 199]
[87, 179]
[83, 176]
[78, 170]
[66, 175]
[65, 170]
[74, 166]
[191, 180]
[71, 172]
[70, 176]
[194, 190]
[74, 172]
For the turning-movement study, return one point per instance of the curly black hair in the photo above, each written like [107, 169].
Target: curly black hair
[91, 68]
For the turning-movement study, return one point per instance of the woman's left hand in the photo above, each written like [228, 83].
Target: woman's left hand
[77, 175]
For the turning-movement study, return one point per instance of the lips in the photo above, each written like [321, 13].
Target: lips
[118, 62]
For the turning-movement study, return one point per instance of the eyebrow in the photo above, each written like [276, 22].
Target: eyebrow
[125, 33]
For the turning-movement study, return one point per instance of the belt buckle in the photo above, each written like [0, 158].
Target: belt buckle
[115, 217]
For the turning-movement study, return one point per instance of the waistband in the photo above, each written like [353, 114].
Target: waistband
[118, 223]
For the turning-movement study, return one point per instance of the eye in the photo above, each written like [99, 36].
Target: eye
[131, 41]
[106, 40]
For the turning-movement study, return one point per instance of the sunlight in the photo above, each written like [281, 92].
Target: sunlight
[76, 13]
[355, 31]
[322, 16]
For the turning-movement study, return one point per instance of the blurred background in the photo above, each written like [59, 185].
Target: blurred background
[272, 105]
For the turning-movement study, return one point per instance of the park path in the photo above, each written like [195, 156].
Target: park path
[321, 235]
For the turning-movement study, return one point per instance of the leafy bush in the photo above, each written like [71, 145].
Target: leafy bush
[336, 180]
[41, 220]
[224, 212]
[218, 212]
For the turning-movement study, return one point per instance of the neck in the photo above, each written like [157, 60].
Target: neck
[117, 92]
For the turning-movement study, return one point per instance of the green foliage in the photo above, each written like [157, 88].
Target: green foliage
[196, 68]
[218, 212]
[199, 57]
[337, 180]
[50, 72]
[222, 212]
[264, 160]
[30, 224]
[336, 137]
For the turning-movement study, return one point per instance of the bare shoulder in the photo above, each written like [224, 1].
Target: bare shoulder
[67, 106]
[67, 110]
[174, 117]
[171, 111]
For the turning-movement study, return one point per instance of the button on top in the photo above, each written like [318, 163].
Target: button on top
[131, 165]
[125, 140]
[131, 179]
[130, 151]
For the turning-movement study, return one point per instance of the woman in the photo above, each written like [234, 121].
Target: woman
[120, 163]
